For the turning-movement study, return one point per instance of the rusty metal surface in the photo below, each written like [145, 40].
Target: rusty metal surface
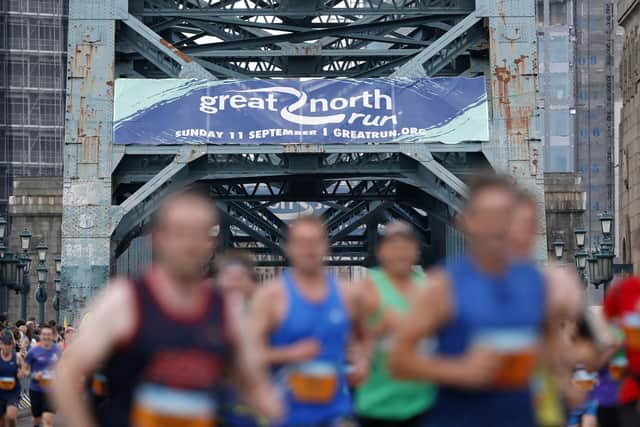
[88, 154]
[515, 148]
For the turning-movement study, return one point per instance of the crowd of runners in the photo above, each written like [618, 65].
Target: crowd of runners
[489, 338]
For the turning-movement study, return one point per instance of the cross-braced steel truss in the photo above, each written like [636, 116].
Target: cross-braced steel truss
[301, 38]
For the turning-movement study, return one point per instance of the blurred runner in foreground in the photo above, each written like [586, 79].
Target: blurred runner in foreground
[306, 318]
[622, 306]
[382, 400]
[165, 341]
[237, 278]
[488, 315]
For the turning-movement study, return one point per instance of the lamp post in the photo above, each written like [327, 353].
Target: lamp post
[56, 299]
[558, 248]
[41, 291]
[25, 242]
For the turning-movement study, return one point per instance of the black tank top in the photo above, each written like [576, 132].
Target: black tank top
[171, 371]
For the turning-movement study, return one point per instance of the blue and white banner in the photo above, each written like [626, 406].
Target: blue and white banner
[313, 111]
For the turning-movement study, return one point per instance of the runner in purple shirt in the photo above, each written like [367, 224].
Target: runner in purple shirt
[40, 363]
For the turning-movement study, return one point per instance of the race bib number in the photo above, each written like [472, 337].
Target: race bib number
[45, 380]
[99, 385]
[314, 383]
[7, 383]
[631, 328]
[159, 406]
[518, 352]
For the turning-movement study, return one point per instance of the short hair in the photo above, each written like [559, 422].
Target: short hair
[306, 219]
[195, 192]
[20, 323]
[46, 326]
[488, 182]
[236, 257]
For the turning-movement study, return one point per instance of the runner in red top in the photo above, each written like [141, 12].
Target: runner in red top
[622, 305]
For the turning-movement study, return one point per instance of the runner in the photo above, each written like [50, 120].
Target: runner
[165, 341]
[10, 375]
[383, 401]
[307, 318]
[487, 315]
[622, 306]
[40, 362]
[237, 278]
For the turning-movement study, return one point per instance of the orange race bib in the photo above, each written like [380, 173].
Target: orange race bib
[313, 382]
[159, 406]
[584, 380]
[7, 383]
[45, 380]
[518, 352]
[631, 329]
[617, 368]
[99, 385]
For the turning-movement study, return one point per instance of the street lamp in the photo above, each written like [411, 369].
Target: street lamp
[25, 240]
[581, 259]
[580, 234]
[606, 222]
[592, 262]
[558, 248]
[25, 288]
[42, 251]
[57, 280]
[41, 292]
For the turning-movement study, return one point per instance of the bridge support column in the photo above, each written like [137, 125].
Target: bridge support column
[515, 148]
[86, 226]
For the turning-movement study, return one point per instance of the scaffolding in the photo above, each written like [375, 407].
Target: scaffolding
[33, 44]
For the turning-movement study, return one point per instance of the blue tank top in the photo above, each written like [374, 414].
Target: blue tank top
[507, 313]
[315, 391]
[9, 383]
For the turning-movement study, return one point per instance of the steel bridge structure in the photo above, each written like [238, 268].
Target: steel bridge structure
[110, 191]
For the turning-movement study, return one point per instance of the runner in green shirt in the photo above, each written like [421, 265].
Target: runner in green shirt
[383, 401]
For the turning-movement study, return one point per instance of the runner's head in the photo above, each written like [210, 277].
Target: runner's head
[7, 342]
[486, 217]
[524, 225]
[307, 244]
[398, 248]
[236, 272]
[182, 234]
[46, 336]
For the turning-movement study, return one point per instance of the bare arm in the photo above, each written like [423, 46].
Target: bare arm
[265, 315]
[250, 364]
[430, 311]
[98, 336]
[361, 304]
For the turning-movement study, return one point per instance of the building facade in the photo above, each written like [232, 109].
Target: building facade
[576, 43]
[33, 42]
[36, 204]
[629, 151]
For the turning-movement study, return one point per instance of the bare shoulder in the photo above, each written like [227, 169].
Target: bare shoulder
[269, 303]
[270, 291]
[118, 296]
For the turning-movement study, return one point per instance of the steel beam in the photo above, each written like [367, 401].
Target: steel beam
[204, 12]
[161, 53]
[468, 147]
[433, 58]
